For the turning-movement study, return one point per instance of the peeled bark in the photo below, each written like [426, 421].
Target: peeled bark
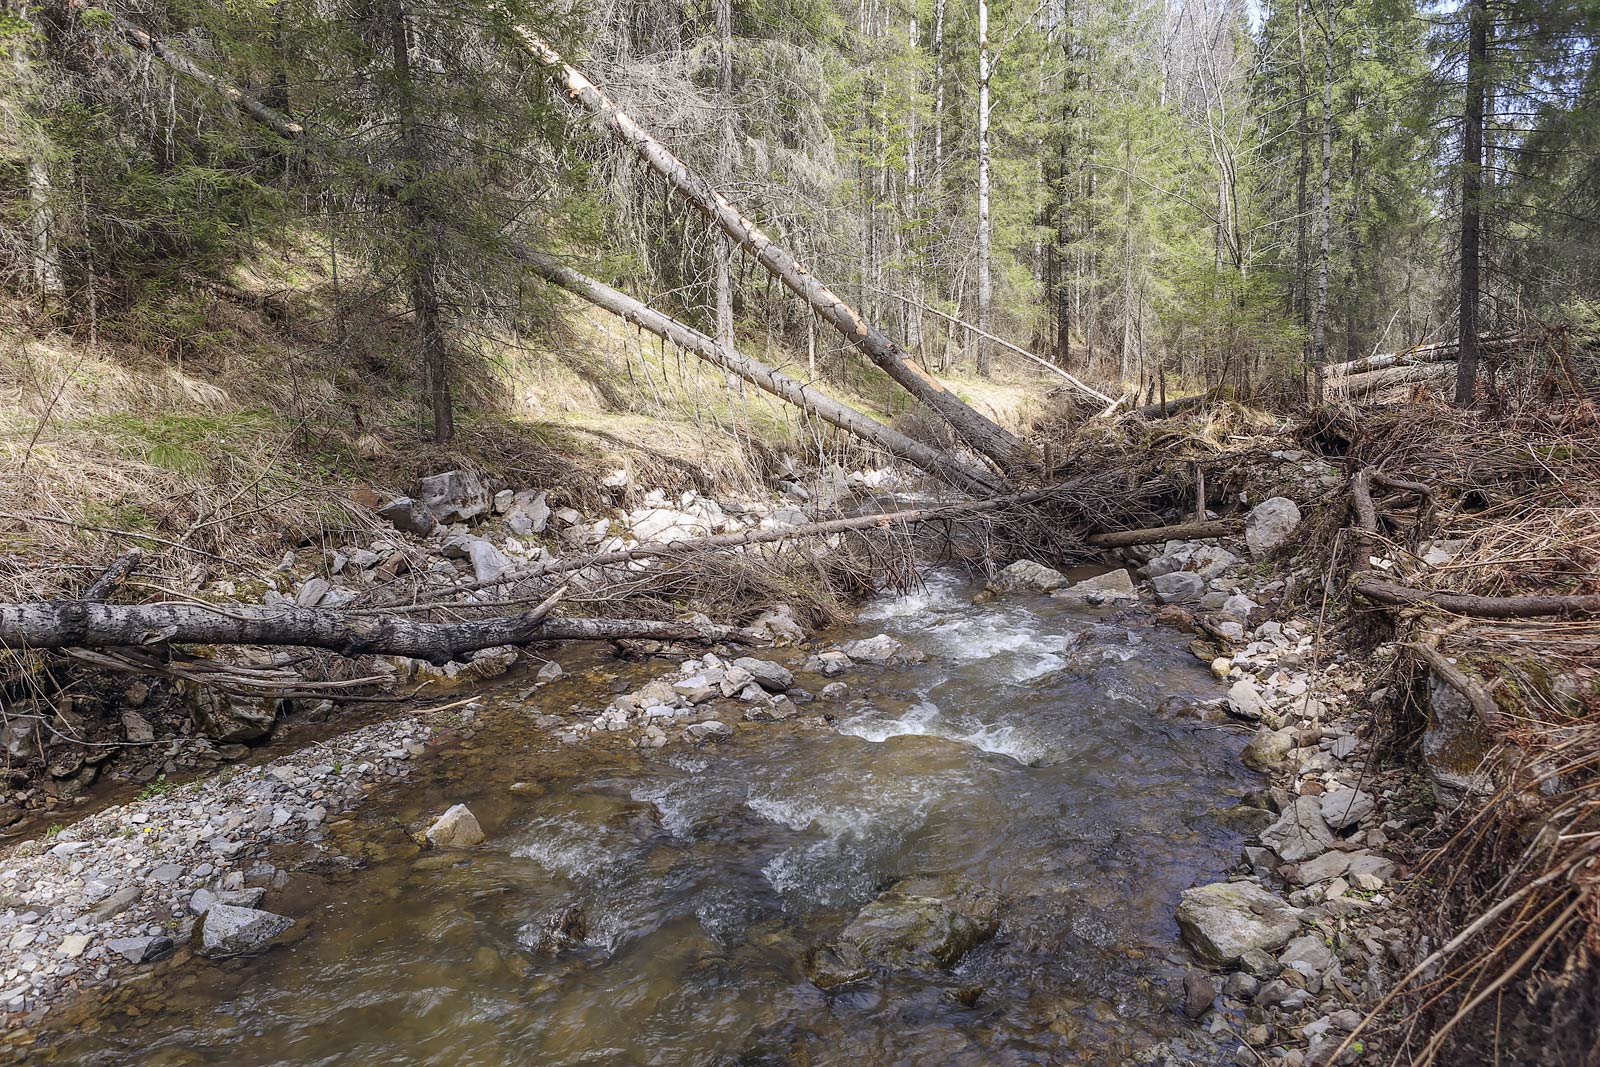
[82, 624]
[1008, 452]
[1155, 535]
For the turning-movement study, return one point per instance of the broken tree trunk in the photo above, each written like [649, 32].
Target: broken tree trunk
[1173, 407]
[61, 624]
[946, 467]
[1002, 342]
[1008, 452]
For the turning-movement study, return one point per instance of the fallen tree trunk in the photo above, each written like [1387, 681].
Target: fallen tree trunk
[1174, 407]
[942, 465]
[1155, 535]
[946, 467]
[1369, 382]
[1438, 352]
[1002, 342]
[1570, 606]
[59, 624]
[985, 437]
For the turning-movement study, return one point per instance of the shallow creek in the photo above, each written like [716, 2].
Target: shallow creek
[1034, 752]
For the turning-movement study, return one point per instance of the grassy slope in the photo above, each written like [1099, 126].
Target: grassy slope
[235, 429]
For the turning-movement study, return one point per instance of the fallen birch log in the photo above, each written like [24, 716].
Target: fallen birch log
[62, 624]
[982, 435]
[1438, 352]
[1155, 535]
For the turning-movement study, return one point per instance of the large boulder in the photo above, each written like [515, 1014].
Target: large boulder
[226, 931]
[404, 513]
[1027, 576]
[456, 828]
[880, 650]
[1245, 701]
[923, 923]
[1300, 832]
[1178, 587]
[454, 496]
[1225, 920]
[1270, 524]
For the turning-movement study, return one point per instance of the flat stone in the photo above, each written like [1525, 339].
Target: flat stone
[1300, 831]
[1112, 585]
[72, 945]
[878, 650]
[1179, 587]
[456, 828]
[116, 903]
[1346, 807]
[710, 730]
[773, 677]
[1225, 920]
[1244, 700]
[226, 931]
[1309, 954]
[145, 949]
[1323, 868]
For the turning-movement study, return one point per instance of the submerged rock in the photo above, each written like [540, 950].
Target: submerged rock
[226, 930]
[1027, 576]
[456, 828]
[835, 965]
[879, 650]
[923, 923]
[1225, 920]
[562, 927]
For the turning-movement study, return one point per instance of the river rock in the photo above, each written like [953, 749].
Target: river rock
[710, 730]
[1224, 920]
[116, 904]
[1027, 576]
[454, 496]
[404, 513]
[666, 525]
[924, 923]
[229, 931]
[773, 677]
[1178, 587]
[1244, 700]
[1309, 954]
[878, 650]
[1454, 745]
[228, 718]
[1199, 993]
[137, 728]
[528, 513]
[1269, 749]
[699, 688]
[456, 828]
[204, 899]
[1300, 831]
[1270, 524]
[779, 626]
[1112, 585]
[1342, 808]
[835, 965]
[562, 927]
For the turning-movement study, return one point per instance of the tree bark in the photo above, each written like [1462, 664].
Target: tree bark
[83, 624]
[1441, 352]
[724, 247]
[1576, 605]
[1008, 452]
[422, 259]
[1471, 194]
[985, 277]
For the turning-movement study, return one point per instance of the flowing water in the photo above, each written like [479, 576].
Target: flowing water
[1034, 752]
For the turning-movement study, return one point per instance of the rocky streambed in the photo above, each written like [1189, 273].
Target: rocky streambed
[1023, 824]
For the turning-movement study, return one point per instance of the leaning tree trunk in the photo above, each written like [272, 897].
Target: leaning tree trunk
[942, 465]
[1008, 452]
[985, 275]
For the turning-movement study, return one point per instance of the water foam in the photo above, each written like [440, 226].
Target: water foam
[924, 719]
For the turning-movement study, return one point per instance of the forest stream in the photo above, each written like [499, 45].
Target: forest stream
[657, 907]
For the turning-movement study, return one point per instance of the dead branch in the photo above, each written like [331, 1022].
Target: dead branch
[112, 577]
[1477, 694]
[1569, 606]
